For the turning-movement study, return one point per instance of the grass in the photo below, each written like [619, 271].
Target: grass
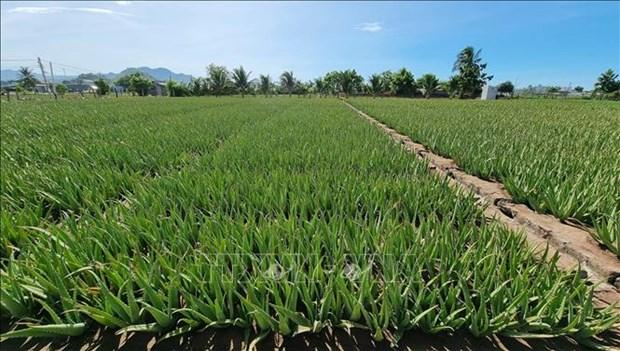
[558, 157]
[291, 215]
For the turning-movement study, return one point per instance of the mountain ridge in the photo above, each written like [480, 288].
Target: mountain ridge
[157, 73]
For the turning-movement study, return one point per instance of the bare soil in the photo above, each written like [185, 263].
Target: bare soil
[231, 339]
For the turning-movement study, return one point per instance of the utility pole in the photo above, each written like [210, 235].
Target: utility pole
[53, 80]
[44, 76]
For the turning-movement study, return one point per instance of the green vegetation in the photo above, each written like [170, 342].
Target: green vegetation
[470, 76]
[26, 79]
[428, 83]
[136, 83]
[287, 215]
[103, 87]
[61, 89]
[557, 157]
[607, 85]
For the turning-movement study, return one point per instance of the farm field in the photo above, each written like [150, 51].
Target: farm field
[557, 157]
[290, 215]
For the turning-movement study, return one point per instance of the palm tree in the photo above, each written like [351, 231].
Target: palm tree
[265, 84]
[218, 79]
[451, 86]
[26, 78]
[429, 84]
[241, 80]
[470, 70]
[376, 84]
[607, 82]
[350, 81]
[287, 80]
[320, 87]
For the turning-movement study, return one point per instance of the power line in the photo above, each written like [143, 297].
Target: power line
[17, 60]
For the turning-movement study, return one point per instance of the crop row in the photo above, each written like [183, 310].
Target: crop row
[302, 219]
[68, 159]
[558, 157]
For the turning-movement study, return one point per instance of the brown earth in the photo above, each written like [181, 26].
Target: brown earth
[332, 339]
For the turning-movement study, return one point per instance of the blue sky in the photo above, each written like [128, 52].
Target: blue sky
[557, 43]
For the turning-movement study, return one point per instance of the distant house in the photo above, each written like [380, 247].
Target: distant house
[41, 88]
[81, 86]
[8, 85]
[158, 89]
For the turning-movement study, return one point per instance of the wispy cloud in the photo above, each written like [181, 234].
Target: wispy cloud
[123, 3]
[369, 27]
[58, 9]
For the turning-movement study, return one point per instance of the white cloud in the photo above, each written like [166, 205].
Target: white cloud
[57, 9]
[369, 27]
[123, 3]
[38, 10]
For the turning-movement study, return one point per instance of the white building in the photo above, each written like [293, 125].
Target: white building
[488, 92]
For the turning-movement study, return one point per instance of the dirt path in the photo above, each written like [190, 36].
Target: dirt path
[575, 246]
[232, 339]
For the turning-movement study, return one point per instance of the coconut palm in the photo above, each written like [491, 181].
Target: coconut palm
[217, 77]
[320, 87]
[470, 70]
[287, 81]
[451, 86]
[241, 80]
[350, 82]
[607, 82]
[376, 84]
[403, 83]
[26, 78]
[265, 84]
[429, 84]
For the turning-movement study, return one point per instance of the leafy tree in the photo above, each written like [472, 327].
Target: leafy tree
[553, 90]
[61, 89]
[386, 82]
[506, 88]
[471, 73]
[302, 88]
[241, 80]
[265, 85]
[579, 89]
[218, 78]
[26, 78]
[346, 82]
[451, 86]
[140, 83]
[350, 82]
[376, 84]
[102, 86]
[320, 87]
[403, 83]
[136, 83]
[607, 82]
[429, 83]
[176, 89]
[287, 81]
[198, 86]
[123, 81]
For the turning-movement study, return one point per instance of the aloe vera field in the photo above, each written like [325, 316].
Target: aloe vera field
[289, 215]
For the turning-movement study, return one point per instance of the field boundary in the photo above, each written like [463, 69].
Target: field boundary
[574, 246]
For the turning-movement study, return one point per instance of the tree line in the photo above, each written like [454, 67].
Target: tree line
[469, 76]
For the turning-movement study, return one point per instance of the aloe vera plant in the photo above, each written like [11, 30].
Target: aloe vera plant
[294, 216]
[558, 157]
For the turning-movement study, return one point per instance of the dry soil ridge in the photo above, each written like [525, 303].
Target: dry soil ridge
[574, 246]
